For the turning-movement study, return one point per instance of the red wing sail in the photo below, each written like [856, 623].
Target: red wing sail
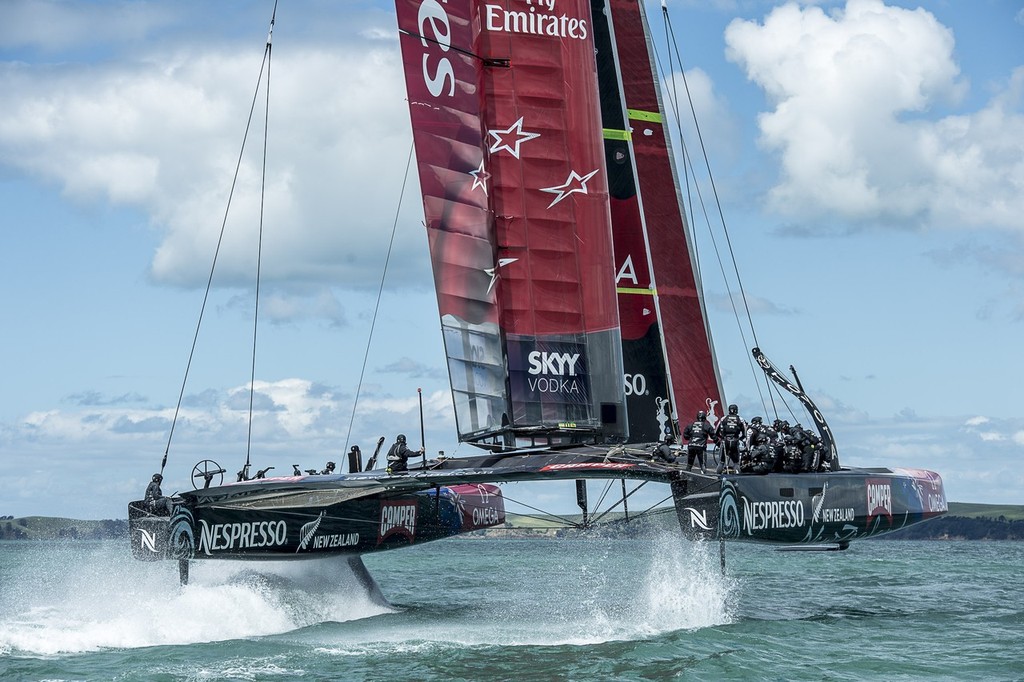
[659, 298]
[504, 104]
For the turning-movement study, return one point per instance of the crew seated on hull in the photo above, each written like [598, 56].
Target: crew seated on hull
[663, 451]
[154, 501]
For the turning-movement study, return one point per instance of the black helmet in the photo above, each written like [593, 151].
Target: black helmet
[330, 465]
[755, 420]
[669, 439]
[733, 409]
[401, 438]
[702, 414]
[158, 477]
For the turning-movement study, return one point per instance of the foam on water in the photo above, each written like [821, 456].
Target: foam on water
[587, 591]
[110, 601]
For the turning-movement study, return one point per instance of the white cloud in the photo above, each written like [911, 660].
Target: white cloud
[852, 93]
[976, 421]
[161, 132]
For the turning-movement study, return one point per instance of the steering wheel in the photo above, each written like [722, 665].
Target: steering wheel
[206, 470]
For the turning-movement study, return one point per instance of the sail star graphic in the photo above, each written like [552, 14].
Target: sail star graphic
[575, 183]
[480, 178]
[493, 272]
[516, 130]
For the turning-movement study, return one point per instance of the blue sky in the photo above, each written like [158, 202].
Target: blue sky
[869, 158]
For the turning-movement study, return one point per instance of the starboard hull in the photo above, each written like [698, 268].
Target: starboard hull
[810, 508]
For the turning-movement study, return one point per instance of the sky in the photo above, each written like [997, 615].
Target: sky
[868, 157]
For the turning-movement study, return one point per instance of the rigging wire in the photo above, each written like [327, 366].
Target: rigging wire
[671, 41]
[259, 254]
[380, 293]
[216, 253]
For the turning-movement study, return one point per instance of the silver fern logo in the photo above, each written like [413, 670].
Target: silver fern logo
[308, 531]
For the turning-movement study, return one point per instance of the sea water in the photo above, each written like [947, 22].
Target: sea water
[584, 608]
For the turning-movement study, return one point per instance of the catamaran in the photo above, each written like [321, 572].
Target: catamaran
[570, 306]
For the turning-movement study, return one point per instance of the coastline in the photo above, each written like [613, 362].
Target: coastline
[965, 521]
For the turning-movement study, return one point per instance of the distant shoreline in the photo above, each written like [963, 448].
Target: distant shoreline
[965, 521]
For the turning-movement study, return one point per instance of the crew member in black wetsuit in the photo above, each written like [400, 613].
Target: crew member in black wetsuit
[761, 457]
[731, 431]
[398, 456]
[697, 436]
[664, 452]
[155, 500]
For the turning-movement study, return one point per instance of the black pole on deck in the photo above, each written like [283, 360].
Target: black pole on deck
[423, 437]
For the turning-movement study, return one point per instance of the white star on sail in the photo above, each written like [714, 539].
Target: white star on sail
[513, 146]
[575, 183]
[493, 272]
[480, 178]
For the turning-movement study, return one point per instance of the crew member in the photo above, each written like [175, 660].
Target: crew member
[155, 500]
[329, 469]
[731, 430]
[664, 452]
[761, 458]
[696, 436]
[398, 456]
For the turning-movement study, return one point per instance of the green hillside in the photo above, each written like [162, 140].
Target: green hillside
[970, 510]
[54, 528]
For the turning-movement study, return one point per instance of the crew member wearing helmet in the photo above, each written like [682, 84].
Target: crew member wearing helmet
[328, 470]
[697, 436]
[664, 451]
[731, 431]
[761, 456]
[398, 456]
[155, 499]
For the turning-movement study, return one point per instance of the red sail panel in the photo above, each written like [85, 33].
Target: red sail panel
[503, 98]
[550, 202]
[546, 164]
[692, 367]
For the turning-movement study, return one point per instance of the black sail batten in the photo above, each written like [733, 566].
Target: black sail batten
[827, 441]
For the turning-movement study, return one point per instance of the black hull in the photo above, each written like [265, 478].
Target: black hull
[288, 522]
[810, 508]
[303, 517]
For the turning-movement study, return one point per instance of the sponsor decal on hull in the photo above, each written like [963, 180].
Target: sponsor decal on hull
[397, 519]
[879, 498]
[772, 515]
[698, 519]
[335, 540]
[846, 515]
[221, 537]
[147, 540]
[480, 505]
